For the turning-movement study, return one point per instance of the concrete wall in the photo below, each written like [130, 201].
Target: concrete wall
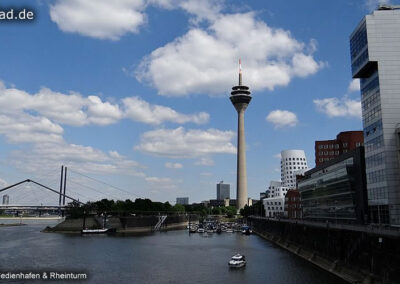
[352, 254]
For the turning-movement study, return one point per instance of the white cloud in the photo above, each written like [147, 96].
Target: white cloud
[205, 59]
[77, 110]
[3, 183]
[354, 86]
[162, 183]
[46, 156]
[282, 118]
[334, 107]
[278, 156]
[204, 161]
[178, 143]
[202, 10]
[140, 110]
[102, 19]
[169, 165]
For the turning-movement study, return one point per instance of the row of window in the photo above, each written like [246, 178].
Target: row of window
[295, 159]
[326, 153]
[372, 114]
[330, 146]
[294, 163]
[376, 176]
[377, 193]
[358, 41]
[374, 144]
[371, 100]
[273, 203]
[273, 208]
[375, 127]
[370, 87]
[374, 160]
[359, 61]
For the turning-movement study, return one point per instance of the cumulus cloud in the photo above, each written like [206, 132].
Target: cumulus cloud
[140, 110]
[179, 143]
[205, 59]
[354, 86]
[102, 19]
[77, 110]
[163, 183]
[334, 107]
[204, 161]
[169, 165]
[47, 156]
[282, 118]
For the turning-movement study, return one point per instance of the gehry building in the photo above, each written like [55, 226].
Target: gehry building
[292, 161]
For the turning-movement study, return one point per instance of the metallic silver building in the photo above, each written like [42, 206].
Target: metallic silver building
[223, 191]
[240, 98]
[182, 200]
[375, 59]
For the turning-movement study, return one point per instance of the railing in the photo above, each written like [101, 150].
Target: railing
[370, 228]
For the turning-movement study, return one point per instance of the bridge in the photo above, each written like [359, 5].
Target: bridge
[32, 197]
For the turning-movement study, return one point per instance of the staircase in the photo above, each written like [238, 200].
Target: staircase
[161, 220]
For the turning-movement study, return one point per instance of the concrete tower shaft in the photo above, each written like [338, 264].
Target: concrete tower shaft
[240, 98]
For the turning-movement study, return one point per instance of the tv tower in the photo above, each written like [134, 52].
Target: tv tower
[240, 98]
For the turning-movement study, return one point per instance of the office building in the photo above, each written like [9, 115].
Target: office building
[182, 200]
[293, 204]
[292, 161]
[335, 191]
[274, 204]
[223, 191]
[327, 150]
[375, 53]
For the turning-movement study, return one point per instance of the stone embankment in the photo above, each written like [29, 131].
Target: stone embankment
[130, 224]
[356, 254]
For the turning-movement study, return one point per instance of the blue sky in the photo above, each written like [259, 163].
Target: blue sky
[136, 92]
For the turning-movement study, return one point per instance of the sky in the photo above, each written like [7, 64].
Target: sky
[133, 95]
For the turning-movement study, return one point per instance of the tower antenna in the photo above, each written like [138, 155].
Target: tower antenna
[240, 72]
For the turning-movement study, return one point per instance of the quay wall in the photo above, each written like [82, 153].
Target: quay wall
[123, 224]
[357, 255]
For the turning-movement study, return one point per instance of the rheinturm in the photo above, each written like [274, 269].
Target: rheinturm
[240, 98]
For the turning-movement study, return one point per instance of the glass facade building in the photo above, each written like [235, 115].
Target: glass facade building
[223, 191]
[336, 190]
[375, 53]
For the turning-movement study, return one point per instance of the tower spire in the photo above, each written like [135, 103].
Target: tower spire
[240, 72]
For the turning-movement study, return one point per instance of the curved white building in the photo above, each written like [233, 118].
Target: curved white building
[292, 161]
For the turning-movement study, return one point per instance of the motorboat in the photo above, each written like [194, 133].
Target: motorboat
[237, 261]
[200, 230]
[98, 231]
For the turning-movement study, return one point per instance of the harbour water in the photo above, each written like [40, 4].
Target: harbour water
[162, 257]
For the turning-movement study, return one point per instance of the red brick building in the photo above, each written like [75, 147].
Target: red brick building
[293, 204]
[329, 149]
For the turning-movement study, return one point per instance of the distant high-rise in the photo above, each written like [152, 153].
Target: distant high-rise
[346, 141]
[182, 200]
[292, 161]
[375, 54]
[240, 98]
[6, 199]
[223, 191]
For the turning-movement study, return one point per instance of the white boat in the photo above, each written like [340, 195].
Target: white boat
[97, 231]
[237, 261]
[200, 230]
